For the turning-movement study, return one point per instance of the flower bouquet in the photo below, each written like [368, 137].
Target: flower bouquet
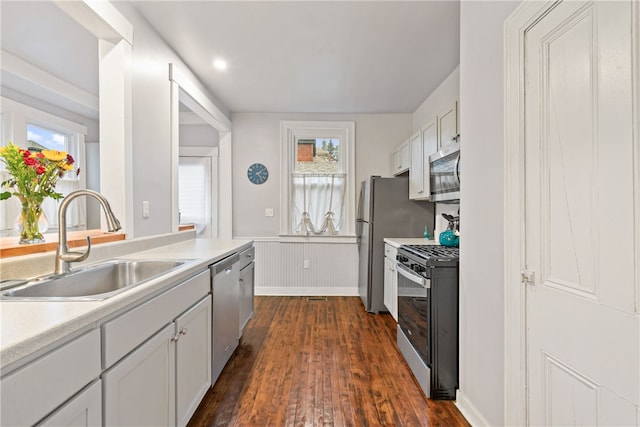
[33, 178]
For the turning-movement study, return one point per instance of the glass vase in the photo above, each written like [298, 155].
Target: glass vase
[31, 223]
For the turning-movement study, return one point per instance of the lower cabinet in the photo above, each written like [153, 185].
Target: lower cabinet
[85, 409]
[163, 381]
[193, 360]
[140, 389]
[391, 281]
[54, 385]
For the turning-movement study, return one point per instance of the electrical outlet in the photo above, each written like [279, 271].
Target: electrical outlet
[145, 209]
[306, 263]
[268, 212]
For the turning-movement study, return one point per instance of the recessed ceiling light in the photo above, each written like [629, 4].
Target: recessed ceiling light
[220, 64]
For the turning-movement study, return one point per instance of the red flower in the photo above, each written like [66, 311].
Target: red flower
[70, 159]
[30, 161]
[40, 155]
[25, 153]
[40, 170]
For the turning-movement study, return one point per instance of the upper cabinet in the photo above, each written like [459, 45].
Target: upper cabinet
[416, 171]
[448, 126]
[432, 137]
[400, 158]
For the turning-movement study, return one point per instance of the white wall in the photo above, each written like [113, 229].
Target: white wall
[198, 136]
[481, 395]
[256, 138]
[151, 121]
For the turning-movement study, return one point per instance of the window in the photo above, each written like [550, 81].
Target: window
[36, 130]
[195, 193]
[317, 178]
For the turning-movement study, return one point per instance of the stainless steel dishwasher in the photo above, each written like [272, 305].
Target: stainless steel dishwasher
[226, 317]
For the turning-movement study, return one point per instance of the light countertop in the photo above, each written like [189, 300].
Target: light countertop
[396, 242]
[30, 328]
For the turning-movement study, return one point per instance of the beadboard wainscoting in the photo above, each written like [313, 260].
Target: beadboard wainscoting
[280, 268]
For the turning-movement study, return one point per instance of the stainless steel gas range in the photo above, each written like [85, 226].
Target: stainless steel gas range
[428, 316]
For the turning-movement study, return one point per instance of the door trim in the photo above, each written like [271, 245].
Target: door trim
[526, 15]
[515, 374]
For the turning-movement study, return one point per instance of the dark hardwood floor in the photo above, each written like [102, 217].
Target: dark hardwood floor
[307, 362]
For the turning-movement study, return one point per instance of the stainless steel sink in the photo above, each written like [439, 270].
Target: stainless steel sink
[93, 283]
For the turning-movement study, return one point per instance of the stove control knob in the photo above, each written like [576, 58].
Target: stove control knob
[420, 269]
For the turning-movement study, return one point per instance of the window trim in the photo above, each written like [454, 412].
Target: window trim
[290, 132]
[16, 116]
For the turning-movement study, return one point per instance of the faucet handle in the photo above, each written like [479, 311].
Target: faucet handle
[77, 256]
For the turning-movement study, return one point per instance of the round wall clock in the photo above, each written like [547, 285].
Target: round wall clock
[257, 173]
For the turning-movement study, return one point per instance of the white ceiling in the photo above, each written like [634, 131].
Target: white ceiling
[314, 56]
[290, 56]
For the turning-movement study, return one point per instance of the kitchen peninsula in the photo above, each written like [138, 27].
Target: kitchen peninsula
[53, 354]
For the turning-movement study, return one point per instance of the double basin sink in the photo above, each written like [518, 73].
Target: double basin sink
[93, 283]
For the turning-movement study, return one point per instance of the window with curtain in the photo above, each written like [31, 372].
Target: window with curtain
[319, 163]
[36, 130]
[195, 192]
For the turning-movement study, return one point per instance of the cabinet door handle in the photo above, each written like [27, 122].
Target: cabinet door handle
[175, 338]
[227, 270]
[183, 331]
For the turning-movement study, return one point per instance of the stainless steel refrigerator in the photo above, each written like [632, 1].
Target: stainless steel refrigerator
[384, 210]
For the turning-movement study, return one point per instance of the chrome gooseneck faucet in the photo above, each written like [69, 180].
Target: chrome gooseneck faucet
[64, 257]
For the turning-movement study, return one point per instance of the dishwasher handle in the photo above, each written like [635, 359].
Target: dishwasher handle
[227, 263]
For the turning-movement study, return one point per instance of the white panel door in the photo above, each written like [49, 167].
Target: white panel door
[448, 126]
[84, 410]
[193, 359]
[416, 181]
[583, 332]
[140, 389]
[429, 147]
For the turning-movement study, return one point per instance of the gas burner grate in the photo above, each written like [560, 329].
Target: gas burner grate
[433, 251]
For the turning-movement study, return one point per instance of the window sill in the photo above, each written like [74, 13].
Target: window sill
[9, 246]
[184, 227]
[296, 238]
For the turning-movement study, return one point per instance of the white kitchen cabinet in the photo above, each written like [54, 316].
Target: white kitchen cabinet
[84, 410]
[448, 126]
[226, 314]
[193, 359]
[429, 135]
[159, 380]
[140, 389]
[416, 171]
[390, 280]
[34, 391]
[247, 274]
[401, 158]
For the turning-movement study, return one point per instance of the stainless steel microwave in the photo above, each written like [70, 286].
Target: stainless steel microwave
[444, 174]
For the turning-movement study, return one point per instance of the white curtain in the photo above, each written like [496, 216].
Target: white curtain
[76, 213]
[317, 195]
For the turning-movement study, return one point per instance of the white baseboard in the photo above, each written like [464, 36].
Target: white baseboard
[469, 411]
[310, 291]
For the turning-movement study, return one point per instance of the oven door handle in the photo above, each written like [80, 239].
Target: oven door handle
[408, 274]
